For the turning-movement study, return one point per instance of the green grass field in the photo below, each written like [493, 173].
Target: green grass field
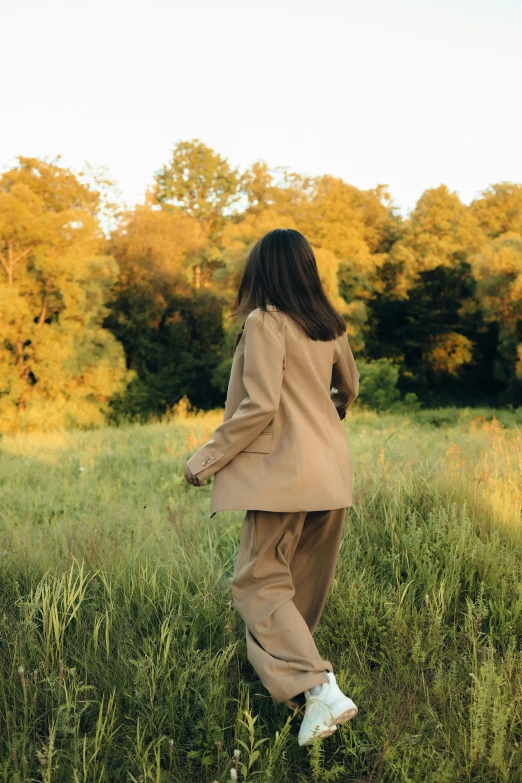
[122, 657]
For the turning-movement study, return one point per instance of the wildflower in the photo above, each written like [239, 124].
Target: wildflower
[81, 469]
[427, 601]
[22, 675]
[233, 774]
[237, 754]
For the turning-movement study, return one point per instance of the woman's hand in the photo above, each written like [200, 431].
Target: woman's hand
[191, 478]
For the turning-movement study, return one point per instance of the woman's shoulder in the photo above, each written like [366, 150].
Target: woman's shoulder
[270, 320]
[270, 316]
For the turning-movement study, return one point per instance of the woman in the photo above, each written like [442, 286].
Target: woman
[281, 455]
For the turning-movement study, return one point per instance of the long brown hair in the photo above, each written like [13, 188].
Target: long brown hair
[281, 270]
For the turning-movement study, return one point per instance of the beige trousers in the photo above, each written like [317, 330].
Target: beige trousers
[284, 568]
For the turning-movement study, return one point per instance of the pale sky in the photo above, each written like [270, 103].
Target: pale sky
[409, 93]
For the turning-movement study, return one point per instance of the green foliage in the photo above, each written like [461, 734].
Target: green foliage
[199, 181]
[171, 334]
[428, 334]
[173, 355]
[378, 384]
[221, 375]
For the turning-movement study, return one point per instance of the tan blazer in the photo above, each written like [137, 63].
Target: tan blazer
[282, 445]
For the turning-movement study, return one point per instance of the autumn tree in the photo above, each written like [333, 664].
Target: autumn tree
[497, 270]
[499, 209]
[58, 366]
[426, 317]
[172, 338]
[441, 232]
[201, 183]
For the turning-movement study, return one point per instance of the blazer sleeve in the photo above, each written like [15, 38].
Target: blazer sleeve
[264, 360]
[345, 379]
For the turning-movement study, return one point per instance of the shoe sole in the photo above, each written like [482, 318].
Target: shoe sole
[346, 716]
[326, 731]
[329, 729]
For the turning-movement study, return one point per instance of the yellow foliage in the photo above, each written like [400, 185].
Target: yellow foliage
[499, 209]
[152, 244]
[441, 231]
[449, 352]
[58, 366]
[498, 272]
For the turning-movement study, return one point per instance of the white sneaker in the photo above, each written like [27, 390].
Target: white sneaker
[325, 708]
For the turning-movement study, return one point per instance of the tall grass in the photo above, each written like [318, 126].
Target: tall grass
[122, 657]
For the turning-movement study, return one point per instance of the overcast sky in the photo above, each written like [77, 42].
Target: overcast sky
[410, 93]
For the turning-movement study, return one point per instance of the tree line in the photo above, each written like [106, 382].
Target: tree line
[111, 315]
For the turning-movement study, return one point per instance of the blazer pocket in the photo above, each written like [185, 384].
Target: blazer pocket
[262, 444]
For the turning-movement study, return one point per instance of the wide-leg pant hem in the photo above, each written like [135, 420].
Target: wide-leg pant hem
[302, 682]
